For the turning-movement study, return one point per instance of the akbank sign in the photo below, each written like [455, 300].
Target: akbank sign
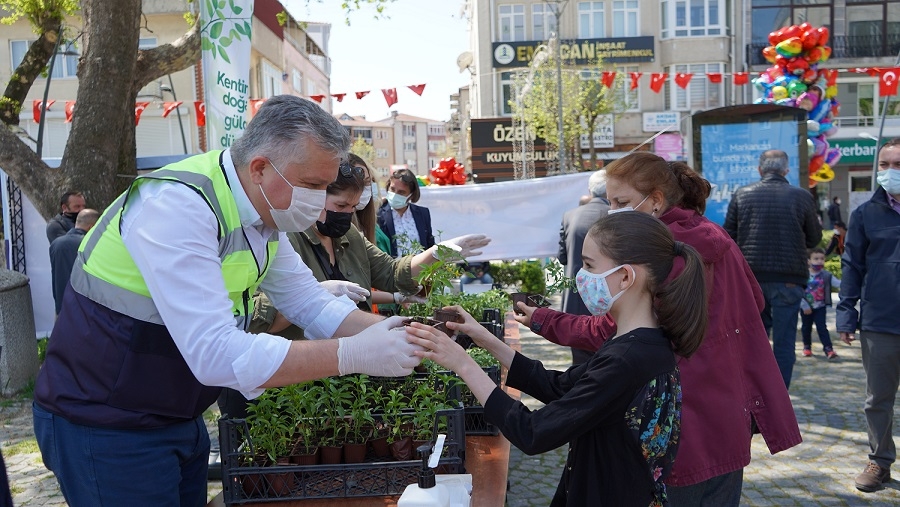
[855, 151]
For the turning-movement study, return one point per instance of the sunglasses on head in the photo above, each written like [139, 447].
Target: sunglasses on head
[347, 170]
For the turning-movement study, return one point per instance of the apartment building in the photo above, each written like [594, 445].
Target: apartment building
[401, 140]
[699, 37]
[284, 59]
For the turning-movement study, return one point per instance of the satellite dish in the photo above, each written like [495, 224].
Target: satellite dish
[464, 60]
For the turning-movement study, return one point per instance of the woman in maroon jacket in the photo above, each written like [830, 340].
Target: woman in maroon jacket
[732, 386]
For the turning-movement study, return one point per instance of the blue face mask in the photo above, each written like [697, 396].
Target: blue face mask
[594, 290]
[889, 179]
[627, 208]
[397, 201]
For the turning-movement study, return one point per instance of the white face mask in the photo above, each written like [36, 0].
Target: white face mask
[302, 213]
[627, 208]
[364, 198]
[397, 201]
[889, 179]
[594, 290]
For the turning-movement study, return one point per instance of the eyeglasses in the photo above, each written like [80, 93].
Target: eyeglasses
[346, 170]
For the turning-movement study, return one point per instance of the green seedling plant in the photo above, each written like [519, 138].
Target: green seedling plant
[361, 420]
[337, 399]
[559, 282]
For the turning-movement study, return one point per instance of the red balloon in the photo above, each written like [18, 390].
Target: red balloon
[810, 76]
[815, 163]
[809, 39]
[769, 54]
[823, 35]
[774, 37]
[791, 31]
[459, 177]
[805, 26]
[797, 66]
[814, 55]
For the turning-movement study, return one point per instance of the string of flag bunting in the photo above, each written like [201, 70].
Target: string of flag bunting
[889, 78]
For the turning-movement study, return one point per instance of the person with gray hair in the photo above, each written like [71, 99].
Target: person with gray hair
[156, 322]
[774, 223]
[575, 224]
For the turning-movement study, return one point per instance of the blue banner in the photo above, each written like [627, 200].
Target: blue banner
[731, 157]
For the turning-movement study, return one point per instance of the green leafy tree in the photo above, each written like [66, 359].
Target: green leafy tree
[100, 154]
[363, 150]
[585, 99]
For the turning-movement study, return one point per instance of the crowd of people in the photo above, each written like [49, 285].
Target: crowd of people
[289, 244]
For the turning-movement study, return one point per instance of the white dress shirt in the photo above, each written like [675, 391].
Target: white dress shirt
[171, 234]
[405, 225]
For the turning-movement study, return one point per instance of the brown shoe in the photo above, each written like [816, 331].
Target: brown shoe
[873, 478]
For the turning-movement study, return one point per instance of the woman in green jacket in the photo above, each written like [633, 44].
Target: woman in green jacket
[347, 263]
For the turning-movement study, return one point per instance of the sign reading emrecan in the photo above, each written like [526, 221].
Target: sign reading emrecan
[578, 51]
[494, 142]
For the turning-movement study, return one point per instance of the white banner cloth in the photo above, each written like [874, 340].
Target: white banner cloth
[522, 217]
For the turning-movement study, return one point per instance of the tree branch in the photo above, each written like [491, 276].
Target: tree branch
[22, 164]
[168, 58]
[35, 61]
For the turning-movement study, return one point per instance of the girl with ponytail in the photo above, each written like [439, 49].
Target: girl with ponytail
[621, 410]
[732, 385]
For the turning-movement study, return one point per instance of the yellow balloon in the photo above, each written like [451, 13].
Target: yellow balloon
[824, 174]
[831, 92]
[779, 92]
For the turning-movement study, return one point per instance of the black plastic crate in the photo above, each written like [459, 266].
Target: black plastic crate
[253, 484]
[475, 423]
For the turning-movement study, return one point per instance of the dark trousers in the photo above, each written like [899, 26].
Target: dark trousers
[817, 317]
[780, 318]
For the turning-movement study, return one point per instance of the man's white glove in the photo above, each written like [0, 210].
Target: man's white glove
[465, 246]
[343, 288]
[380, 350]
[400, 298]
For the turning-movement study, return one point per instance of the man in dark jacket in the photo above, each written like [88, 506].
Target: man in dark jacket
[870, 270]
[834, 211]
[774, 224]
[64, 250]
[575, 225]
[69, 205]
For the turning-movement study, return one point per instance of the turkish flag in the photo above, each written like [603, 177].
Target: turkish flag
[887, 85]
[657, 80]
[831, 76]
[741, 78]
[714, 77]
[390, 96]
[682, 79]
[871, 71]
[418, 88]
[360, 95]
[635, 77]
[200, 110]
[608, 79]
[339, 96]
[255, 104]
[138, 109]
[168, 107]
[37, 106]
[70, 108]
[317, 98]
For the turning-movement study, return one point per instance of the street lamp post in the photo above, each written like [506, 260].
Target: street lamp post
[171, 89]
[39, 145]
[557, 12]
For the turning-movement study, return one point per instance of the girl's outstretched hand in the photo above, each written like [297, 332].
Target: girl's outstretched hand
[471, 327]
[439, 347]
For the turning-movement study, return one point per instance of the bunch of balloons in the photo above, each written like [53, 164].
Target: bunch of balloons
[795, 80]
[448, 172]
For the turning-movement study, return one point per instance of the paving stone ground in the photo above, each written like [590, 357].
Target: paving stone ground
[827, 397]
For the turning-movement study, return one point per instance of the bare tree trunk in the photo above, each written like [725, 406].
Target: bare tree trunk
[99, 158]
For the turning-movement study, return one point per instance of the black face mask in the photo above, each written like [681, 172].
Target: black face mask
[336, 224]
[72, 215]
